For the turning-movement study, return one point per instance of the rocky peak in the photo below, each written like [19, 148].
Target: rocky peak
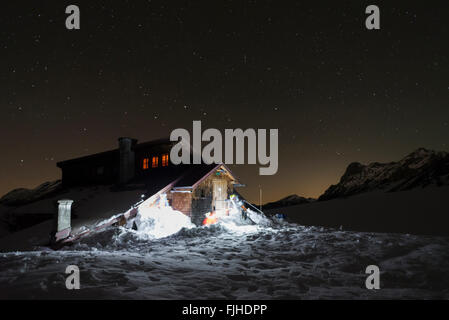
[420, 168]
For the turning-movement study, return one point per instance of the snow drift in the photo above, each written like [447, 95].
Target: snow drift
[161, 255]
[154, 222]
[250, 262]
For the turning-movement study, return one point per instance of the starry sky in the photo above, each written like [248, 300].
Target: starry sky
[336, 91]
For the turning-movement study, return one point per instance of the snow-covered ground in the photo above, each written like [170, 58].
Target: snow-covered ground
[417, 211]
[232, 261]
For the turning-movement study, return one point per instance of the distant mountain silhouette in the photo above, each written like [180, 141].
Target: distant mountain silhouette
[22, 196]
[367, 197]
[290, 200]
[420, 168]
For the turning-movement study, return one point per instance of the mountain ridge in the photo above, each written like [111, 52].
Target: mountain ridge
[420, 168]
[289, 200]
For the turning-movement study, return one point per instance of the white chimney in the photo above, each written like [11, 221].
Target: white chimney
[126, 169]
[63, 226]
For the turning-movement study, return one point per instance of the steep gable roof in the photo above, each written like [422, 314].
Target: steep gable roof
[200, 172]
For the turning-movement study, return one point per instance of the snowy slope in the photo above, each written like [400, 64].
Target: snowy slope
[418, 211]
[4, 230]
[91, 206]
[279, 262]
[22, 195]
[234, 259]
[290, 200]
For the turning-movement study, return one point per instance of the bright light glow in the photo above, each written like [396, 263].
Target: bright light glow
[158, 222]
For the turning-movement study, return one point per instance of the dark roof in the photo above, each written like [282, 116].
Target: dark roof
[179, 176]
[183, 175]
[114, 152]
[157, 179]
[109, 153]
[197, 173]
[194, 174]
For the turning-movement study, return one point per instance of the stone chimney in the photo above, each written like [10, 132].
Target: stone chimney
[63, 226]
[126, 169]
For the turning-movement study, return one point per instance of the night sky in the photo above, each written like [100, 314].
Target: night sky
[337, 92]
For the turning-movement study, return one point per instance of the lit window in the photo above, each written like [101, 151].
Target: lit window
[154, 162]
[145, 163]
[165, 160]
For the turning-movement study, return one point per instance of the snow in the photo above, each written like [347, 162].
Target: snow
[166, 257]
[419, 211]
[231, 260]
[22, 195]
[162, 221]
[155, 222]
[91, 207]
